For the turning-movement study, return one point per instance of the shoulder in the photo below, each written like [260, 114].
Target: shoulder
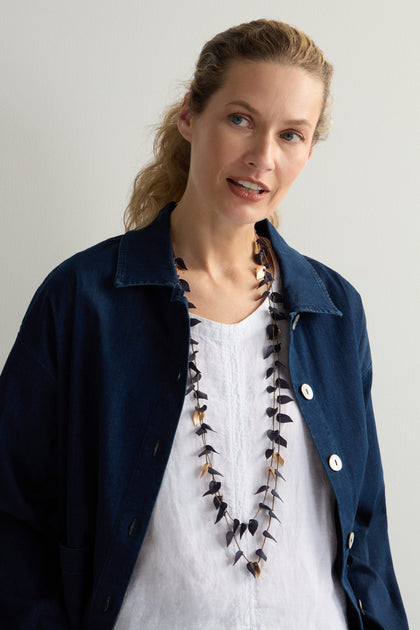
[342, 292]
[92, 265]
[80, 278]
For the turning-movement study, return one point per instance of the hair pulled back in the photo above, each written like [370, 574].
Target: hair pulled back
[164, 179]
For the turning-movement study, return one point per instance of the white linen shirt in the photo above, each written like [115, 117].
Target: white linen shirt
[184, 578]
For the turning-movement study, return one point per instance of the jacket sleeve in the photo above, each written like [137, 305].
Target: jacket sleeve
[370, 570]
[30, 592]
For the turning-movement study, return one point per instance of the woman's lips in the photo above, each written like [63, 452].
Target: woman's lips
[246, 193]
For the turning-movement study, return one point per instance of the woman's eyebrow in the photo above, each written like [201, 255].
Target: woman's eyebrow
[298, 122]
[244, 104]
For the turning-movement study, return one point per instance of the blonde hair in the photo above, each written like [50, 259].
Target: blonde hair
[164, 179]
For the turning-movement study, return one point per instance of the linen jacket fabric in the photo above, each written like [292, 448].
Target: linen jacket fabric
[90, 398]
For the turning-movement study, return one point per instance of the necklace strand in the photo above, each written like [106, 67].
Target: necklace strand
[269, 493]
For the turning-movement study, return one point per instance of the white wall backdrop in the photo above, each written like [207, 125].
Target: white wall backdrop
[82, 83]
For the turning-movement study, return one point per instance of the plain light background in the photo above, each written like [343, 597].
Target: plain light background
[83, 82]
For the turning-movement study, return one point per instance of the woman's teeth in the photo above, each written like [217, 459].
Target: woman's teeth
[249, 186]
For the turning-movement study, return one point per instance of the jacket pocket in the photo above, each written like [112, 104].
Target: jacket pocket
[75, 570]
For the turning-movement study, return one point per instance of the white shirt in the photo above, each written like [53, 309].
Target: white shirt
[184, 578]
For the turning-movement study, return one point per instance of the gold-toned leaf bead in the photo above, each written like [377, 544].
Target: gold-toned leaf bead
[257, 569]
[272, 471]
[198, 417]
[279, 458]
[204, 469]
[260, 271]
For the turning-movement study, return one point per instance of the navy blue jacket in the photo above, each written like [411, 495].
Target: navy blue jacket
[90, 399]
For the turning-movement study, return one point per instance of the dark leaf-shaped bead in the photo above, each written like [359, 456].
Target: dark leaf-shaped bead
[193, 367]
[272, 331]
[196, 378]
[193, 342]
[262, 489]
[201, 395]
[275, 493]
[207, 427]
[278, 474]
[257, 259]
[229, 537]
[201, 430]
[283, 383]
[253, 525]
[278, 363]
[281, 441]
[265, 281]
[221, 512]
[272, 435]
[202, 408]
[250, 568]
[243, 529]
[189, 389]
[271, 349]
[271, 411]
[194, 321]
[184, 285]
[212, 471]
[276, 315]
[261, 554]
[263, 295]
[238, 555]
[283, 418]
[235, 524]
[268, 453]
[180, 263]
[263, 506]
[269, 372]
[268, 276]
[276, 297]
[208, 449]
[191, 305]
[268, 535]
[217, 501]
[271, 389]
[214, 486]
[271, 513]
[284, 399]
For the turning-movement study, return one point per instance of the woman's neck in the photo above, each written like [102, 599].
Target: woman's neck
[211, 243]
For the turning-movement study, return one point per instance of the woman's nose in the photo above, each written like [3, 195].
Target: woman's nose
[261, 153]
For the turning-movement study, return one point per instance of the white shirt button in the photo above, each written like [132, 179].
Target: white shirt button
[306, 391]
[295, 321]
[350, 540]
[335, 463]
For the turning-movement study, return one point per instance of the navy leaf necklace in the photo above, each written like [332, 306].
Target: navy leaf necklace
[268, 491]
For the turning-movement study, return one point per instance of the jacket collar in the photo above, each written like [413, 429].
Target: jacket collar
[145, 258]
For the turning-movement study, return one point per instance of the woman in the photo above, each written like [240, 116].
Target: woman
[200, 355]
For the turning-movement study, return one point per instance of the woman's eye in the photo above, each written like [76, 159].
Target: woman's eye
[291, 136]
[238, 120]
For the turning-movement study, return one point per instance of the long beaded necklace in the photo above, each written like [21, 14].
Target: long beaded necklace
[236, 529]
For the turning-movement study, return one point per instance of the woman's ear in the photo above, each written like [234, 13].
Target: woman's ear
[185, 118]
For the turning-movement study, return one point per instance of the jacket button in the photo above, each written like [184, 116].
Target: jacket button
[350, 540]
[306, 391]
[335, 463]
[295, 321]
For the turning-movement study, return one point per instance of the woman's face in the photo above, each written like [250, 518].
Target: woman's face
[252, 139]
